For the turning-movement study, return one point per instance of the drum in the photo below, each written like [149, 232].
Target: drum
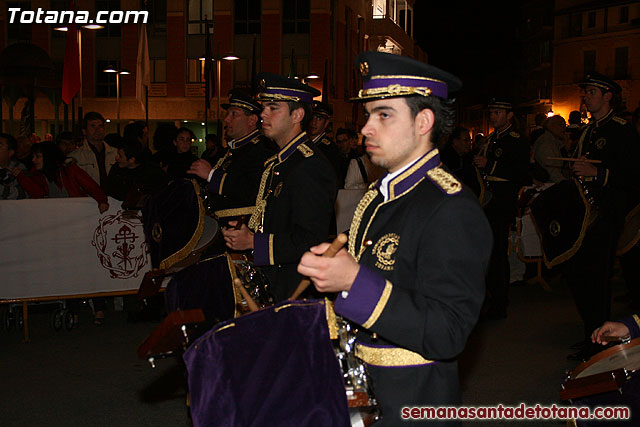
[276, 366]
[176, 227]
[610, 378]
[562, 214]
[630, 232]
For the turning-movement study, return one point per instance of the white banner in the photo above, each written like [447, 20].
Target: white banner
[55, 247]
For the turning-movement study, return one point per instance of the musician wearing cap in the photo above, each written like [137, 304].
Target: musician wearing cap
[609, 150]
[504, 161]
[294, 205]
[235, 178]
[318, 125]
[412, 277]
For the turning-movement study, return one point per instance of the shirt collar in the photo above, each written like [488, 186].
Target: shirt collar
[393, 185]
[318, 138]
[241, 142]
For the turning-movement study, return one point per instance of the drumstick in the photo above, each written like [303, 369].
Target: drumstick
[609, 338]
[250, 302]
[571, 159]
[336, 245]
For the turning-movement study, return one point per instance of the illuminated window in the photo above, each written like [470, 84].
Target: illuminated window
[195, 71]
[379, 9]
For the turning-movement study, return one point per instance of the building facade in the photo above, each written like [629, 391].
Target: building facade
[601, 36]
[288, 36]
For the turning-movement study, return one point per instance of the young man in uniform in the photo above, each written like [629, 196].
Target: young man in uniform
[294, 207]
[413, 274]
[613, 185]
[505, 163]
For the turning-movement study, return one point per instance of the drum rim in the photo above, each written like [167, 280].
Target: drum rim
[603, 355]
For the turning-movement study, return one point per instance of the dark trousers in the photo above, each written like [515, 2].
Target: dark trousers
[630, 263]
[499, 272]
[588, 273]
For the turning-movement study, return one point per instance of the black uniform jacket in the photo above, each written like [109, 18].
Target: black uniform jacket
[294, 209]
[423, 256]
[616, 143]
[237, 175]
[330, 151]
[506, 170]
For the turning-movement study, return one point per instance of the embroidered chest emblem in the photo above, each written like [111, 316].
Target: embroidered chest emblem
[600, 143]
[498, 152]
[384, 251]
[278, 189]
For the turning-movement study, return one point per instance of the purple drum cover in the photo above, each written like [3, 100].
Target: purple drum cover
[274, 367]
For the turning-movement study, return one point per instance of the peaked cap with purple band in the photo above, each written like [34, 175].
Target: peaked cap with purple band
[386, 75]
[241, 99]
[274, 87]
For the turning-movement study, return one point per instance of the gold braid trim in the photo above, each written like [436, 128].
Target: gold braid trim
[636, 319]
[332, 320]
[261, 200]
[389, 356]
[224, 213]
[237, 296]
[357, 219]
[382, 302]
[222, 159]
[394, 90]
[197, 234]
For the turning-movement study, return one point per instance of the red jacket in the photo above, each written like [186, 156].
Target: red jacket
[76, 181]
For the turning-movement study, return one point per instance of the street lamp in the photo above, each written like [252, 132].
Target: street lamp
[110, 69]
[218, 61]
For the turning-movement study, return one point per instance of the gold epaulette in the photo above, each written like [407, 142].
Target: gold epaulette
[255, 140]
[306, 151]
[443, 179]
[619, 120]
[326, 141]
[514, 134]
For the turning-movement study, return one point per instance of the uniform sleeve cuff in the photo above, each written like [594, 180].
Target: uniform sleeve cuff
[263, 249]
[216, 181]
[633, 323]
[367, 298]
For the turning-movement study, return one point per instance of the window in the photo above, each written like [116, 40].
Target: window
[379, 9]
[195, 71]
[16, 31]
[197, 10]
[589, 61]
[576, 25]
[247, 16]
[591, 20]
[622, 63]
[157, 15]
[106, 82]
[624, 14]
[404, 16]
[295, 16]
[109, 30]
[158, 70]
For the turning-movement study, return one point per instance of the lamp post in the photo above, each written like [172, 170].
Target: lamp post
[118, 73]
[218, 61]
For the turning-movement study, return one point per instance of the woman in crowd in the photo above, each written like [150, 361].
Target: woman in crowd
[53, 175]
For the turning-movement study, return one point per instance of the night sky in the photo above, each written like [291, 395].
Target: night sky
[475, 43]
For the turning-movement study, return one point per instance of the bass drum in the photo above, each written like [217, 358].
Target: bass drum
[608, 379]
[561, 215]
[630, 232]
